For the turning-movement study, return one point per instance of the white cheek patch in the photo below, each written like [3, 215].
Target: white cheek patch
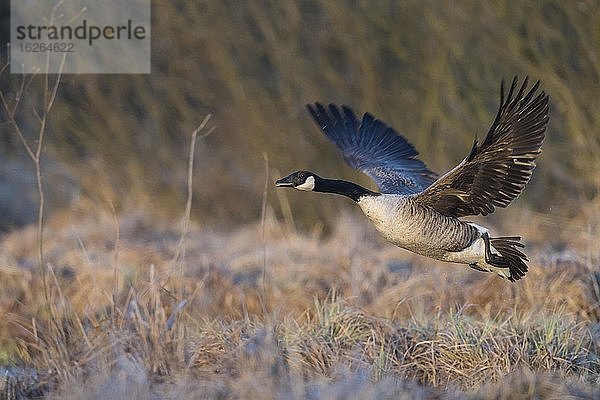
[308, 185]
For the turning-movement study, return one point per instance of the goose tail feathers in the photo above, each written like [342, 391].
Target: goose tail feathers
[511, 256]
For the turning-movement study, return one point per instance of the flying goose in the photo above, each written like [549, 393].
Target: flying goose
[420, 212]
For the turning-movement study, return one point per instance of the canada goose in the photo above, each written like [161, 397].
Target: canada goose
[420, 213]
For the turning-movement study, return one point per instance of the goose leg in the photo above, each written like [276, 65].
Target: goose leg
[477, 267]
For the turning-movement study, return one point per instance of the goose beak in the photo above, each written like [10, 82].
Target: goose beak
[284, 182]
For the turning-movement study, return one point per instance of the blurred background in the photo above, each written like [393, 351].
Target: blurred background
[430, 69]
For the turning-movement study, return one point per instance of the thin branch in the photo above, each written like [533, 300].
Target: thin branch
[115, 263]
[48, 103]
[16, 127]
[180, 249]
[263, 216]
[190, 177]
[5, 66]
[19, 95]
[56, 83]
[37, 115]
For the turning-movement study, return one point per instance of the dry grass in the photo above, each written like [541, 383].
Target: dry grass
[347, 316]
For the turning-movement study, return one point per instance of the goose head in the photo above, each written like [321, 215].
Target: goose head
[301, 180]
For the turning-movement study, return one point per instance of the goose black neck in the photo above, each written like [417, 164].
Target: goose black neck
[344, 188]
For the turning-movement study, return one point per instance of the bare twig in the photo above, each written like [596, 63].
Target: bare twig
[180, 249]
[35, 155]
[115, 262]
[12, 120]
[263, 216]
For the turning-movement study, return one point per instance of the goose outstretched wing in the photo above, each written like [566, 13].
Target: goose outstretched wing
[495, 172]
[372, 147]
